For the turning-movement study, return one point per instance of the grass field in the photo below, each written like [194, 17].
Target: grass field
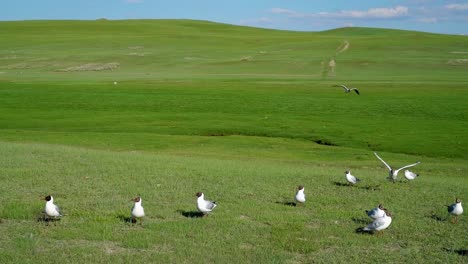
[242, 114]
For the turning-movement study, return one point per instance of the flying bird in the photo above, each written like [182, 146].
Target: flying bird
[51, 209]
[350, 178]
[300, 196]
[203, 205]
[409, 175]
[455, 209]
[392, 174]
[377, 212]
[346, 89]
[138, 212]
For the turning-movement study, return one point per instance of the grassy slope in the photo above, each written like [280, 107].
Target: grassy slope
[180, 82]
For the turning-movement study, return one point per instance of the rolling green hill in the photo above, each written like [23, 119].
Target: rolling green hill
[96, 112]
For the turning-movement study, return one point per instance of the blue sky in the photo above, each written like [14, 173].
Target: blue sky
[440, 16]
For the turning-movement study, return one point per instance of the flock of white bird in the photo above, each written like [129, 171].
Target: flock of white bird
[382, 218]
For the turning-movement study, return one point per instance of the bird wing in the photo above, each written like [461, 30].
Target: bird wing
[371, 213]
[356, 90]
[342, 86]
[376, 224]
[450, 208]
[407, 166]
[388, 166]
[210, 205]
[58, 210]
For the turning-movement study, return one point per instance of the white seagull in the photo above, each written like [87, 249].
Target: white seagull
[203, 205]
[51, 210]
[347, 90]
[350, 178]
[392, 174]
[137, 210]
[377, 212]
[300, 196]
[380, 223]
[409, 175]
[455, 209]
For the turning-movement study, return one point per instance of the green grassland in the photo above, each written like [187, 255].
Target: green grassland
[242, 114]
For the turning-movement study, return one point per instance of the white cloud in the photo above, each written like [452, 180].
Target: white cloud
[289, 12]
[375, 13]
[459, 7]
[381, 12]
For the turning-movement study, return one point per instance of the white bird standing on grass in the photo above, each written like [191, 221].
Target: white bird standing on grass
[380, 223]
[377, 212]
[347, 90]
[455, 209]
[51, 210]
[392, 174]
[350, 178]
[137, 210]
[300, 195]
[203, 205]
[409, 175]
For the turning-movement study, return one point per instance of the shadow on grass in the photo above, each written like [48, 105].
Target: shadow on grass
[437, 217]
[461, 252]
[360, 230]
[45, 219]
[365, 187]
[190, 214]
[126, 219]
[287, 203]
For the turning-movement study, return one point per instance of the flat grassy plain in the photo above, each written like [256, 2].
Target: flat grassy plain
[242, 114]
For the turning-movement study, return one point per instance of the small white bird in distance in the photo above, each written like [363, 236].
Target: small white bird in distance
[300, 195]
[409, 175]
[351, 178]
[347, 90]
[455, 209]
[392, 174]
[137, 210]
[51, 209]
[204, 206]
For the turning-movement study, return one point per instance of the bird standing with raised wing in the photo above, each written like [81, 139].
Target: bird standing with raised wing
[392, 174]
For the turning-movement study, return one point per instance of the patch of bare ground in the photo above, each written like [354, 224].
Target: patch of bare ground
[15, 66]
[138, 54]
[246, 246]
[92, 67]
[457, 61]
[9, 57]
